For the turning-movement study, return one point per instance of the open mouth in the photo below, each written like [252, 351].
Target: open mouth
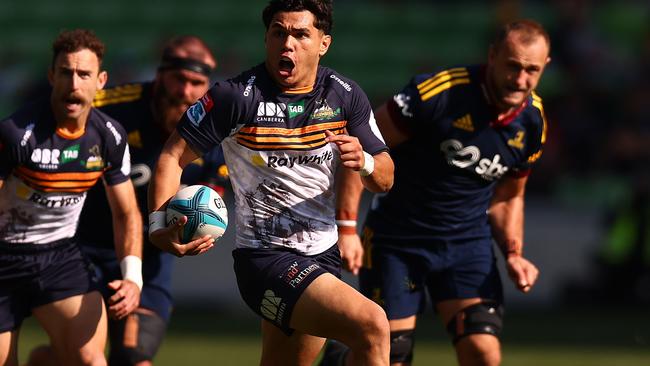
[72, 102]
[286, 66]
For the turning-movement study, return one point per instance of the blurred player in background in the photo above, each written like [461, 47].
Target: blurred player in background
[282, 127]
[464, 141]
[149, 112]
[51, 152]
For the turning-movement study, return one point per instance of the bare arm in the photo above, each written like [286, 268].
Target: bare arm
[127, 233]
[506, 216]
[175, 156]
[348, 194]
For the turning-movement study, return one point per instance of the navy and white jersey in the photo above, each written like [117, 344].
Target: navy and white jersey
[457, 151]
[47, 172]
[281, 169]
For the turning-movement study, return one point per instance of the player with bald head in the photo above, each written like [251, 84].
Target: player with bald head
[464, 140]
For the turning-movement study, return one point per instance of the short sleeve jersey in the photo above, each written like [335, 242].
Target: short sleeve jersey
[130, 104]
[281, 168]
[445, 173]
[47, 172]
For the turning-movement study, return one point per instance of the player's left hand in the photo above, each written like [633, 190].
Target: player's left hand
[522, 272]
[125, 299]
[350, 148]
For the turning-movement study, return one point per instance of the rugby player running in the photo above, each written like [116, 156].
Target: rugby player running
[282, 126]
[464, 140]
[149, 112]
[52, 151]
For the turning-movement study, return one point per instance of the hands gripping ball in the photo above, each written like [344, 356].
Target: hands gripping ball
[205, 210]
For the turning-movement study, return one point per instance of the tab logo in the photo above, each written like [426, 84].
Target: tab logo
[70, 154]
[271, 112]
[296, 109]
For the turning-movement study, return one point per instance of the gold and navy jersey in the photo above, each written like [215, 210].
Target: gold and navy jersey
[47, 172]
[281, 168]
[445, 173]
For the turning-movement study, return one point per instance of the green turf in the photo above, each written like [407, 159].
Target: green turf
[573, 337]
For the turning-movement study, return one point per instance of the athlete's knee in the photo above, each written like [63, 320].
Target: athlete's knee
[401, 346]
[374, 325]
[475, 331]
[482, 318]
[91, 357]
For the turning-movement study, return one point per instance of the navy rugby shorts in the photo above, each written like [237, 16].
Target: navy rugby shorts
[32, 275]
[271, 280]
[397, 276]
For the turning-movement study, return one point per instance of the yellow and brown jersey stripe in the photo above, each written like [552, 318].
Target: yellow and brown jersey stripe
[119, 94]
[58, 182]
[273, 138]
[442, 81]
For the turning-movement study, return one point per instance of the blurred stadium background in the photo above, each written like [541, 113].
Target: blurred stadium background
[588, 207]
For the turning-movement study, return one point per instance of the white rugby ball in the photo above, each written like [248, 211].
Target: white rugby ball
[205, 210]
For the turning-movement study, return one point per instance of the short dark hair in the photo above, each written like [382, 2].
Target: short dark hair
[322, 10]
[528, 28]
[77, 40]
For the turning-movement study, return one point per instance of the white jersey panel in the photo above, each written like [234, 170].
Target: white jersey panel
[283, 197]
[31, 216]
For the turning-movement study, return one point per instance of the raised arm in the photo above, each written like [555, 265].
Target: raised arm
[175, 156]
[506, 216]
[127, 233]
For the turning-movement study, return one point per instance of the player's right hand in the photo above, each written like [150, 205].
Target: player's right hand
[167, 239]
[351, 252]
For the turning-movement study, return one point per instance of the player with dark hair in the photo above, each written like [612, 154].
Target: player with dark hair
[149, 112]
[52, 152]
[282, 126]
[464, 140]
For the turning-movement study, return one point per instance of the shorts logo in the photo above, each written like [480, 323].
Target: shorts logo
[271, 112]
[272, 307]
[295, 275]
[196, 113]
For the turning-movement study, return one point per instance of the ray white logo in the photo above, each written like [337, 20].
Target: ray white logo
[470, 156]
[282, 161]
[54, 201]
[272, 306]
[271, 112]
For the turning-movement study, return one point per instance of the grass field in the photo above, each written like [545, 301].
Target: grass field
[571, 337]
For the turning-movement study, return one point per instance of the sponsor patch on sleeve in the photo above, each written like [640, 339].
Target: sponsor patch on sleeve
[196, 113]
[207, 102]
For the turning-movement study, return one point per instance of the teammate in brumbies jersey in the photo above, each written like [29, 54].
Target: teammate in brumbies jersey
[282, 127]
[463, 141]
[53, 151]
[149, 112]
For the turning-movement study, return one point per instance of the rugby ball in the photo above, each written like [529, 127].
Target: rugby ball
[205, 210]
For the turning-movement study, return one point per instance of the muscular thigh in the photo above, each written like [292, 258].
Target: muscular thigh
[470, 272]
[395, 279]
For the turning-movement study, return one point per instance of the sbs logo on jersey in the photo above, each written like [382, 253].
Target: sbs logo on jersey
[470, 156]
[271, 112]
